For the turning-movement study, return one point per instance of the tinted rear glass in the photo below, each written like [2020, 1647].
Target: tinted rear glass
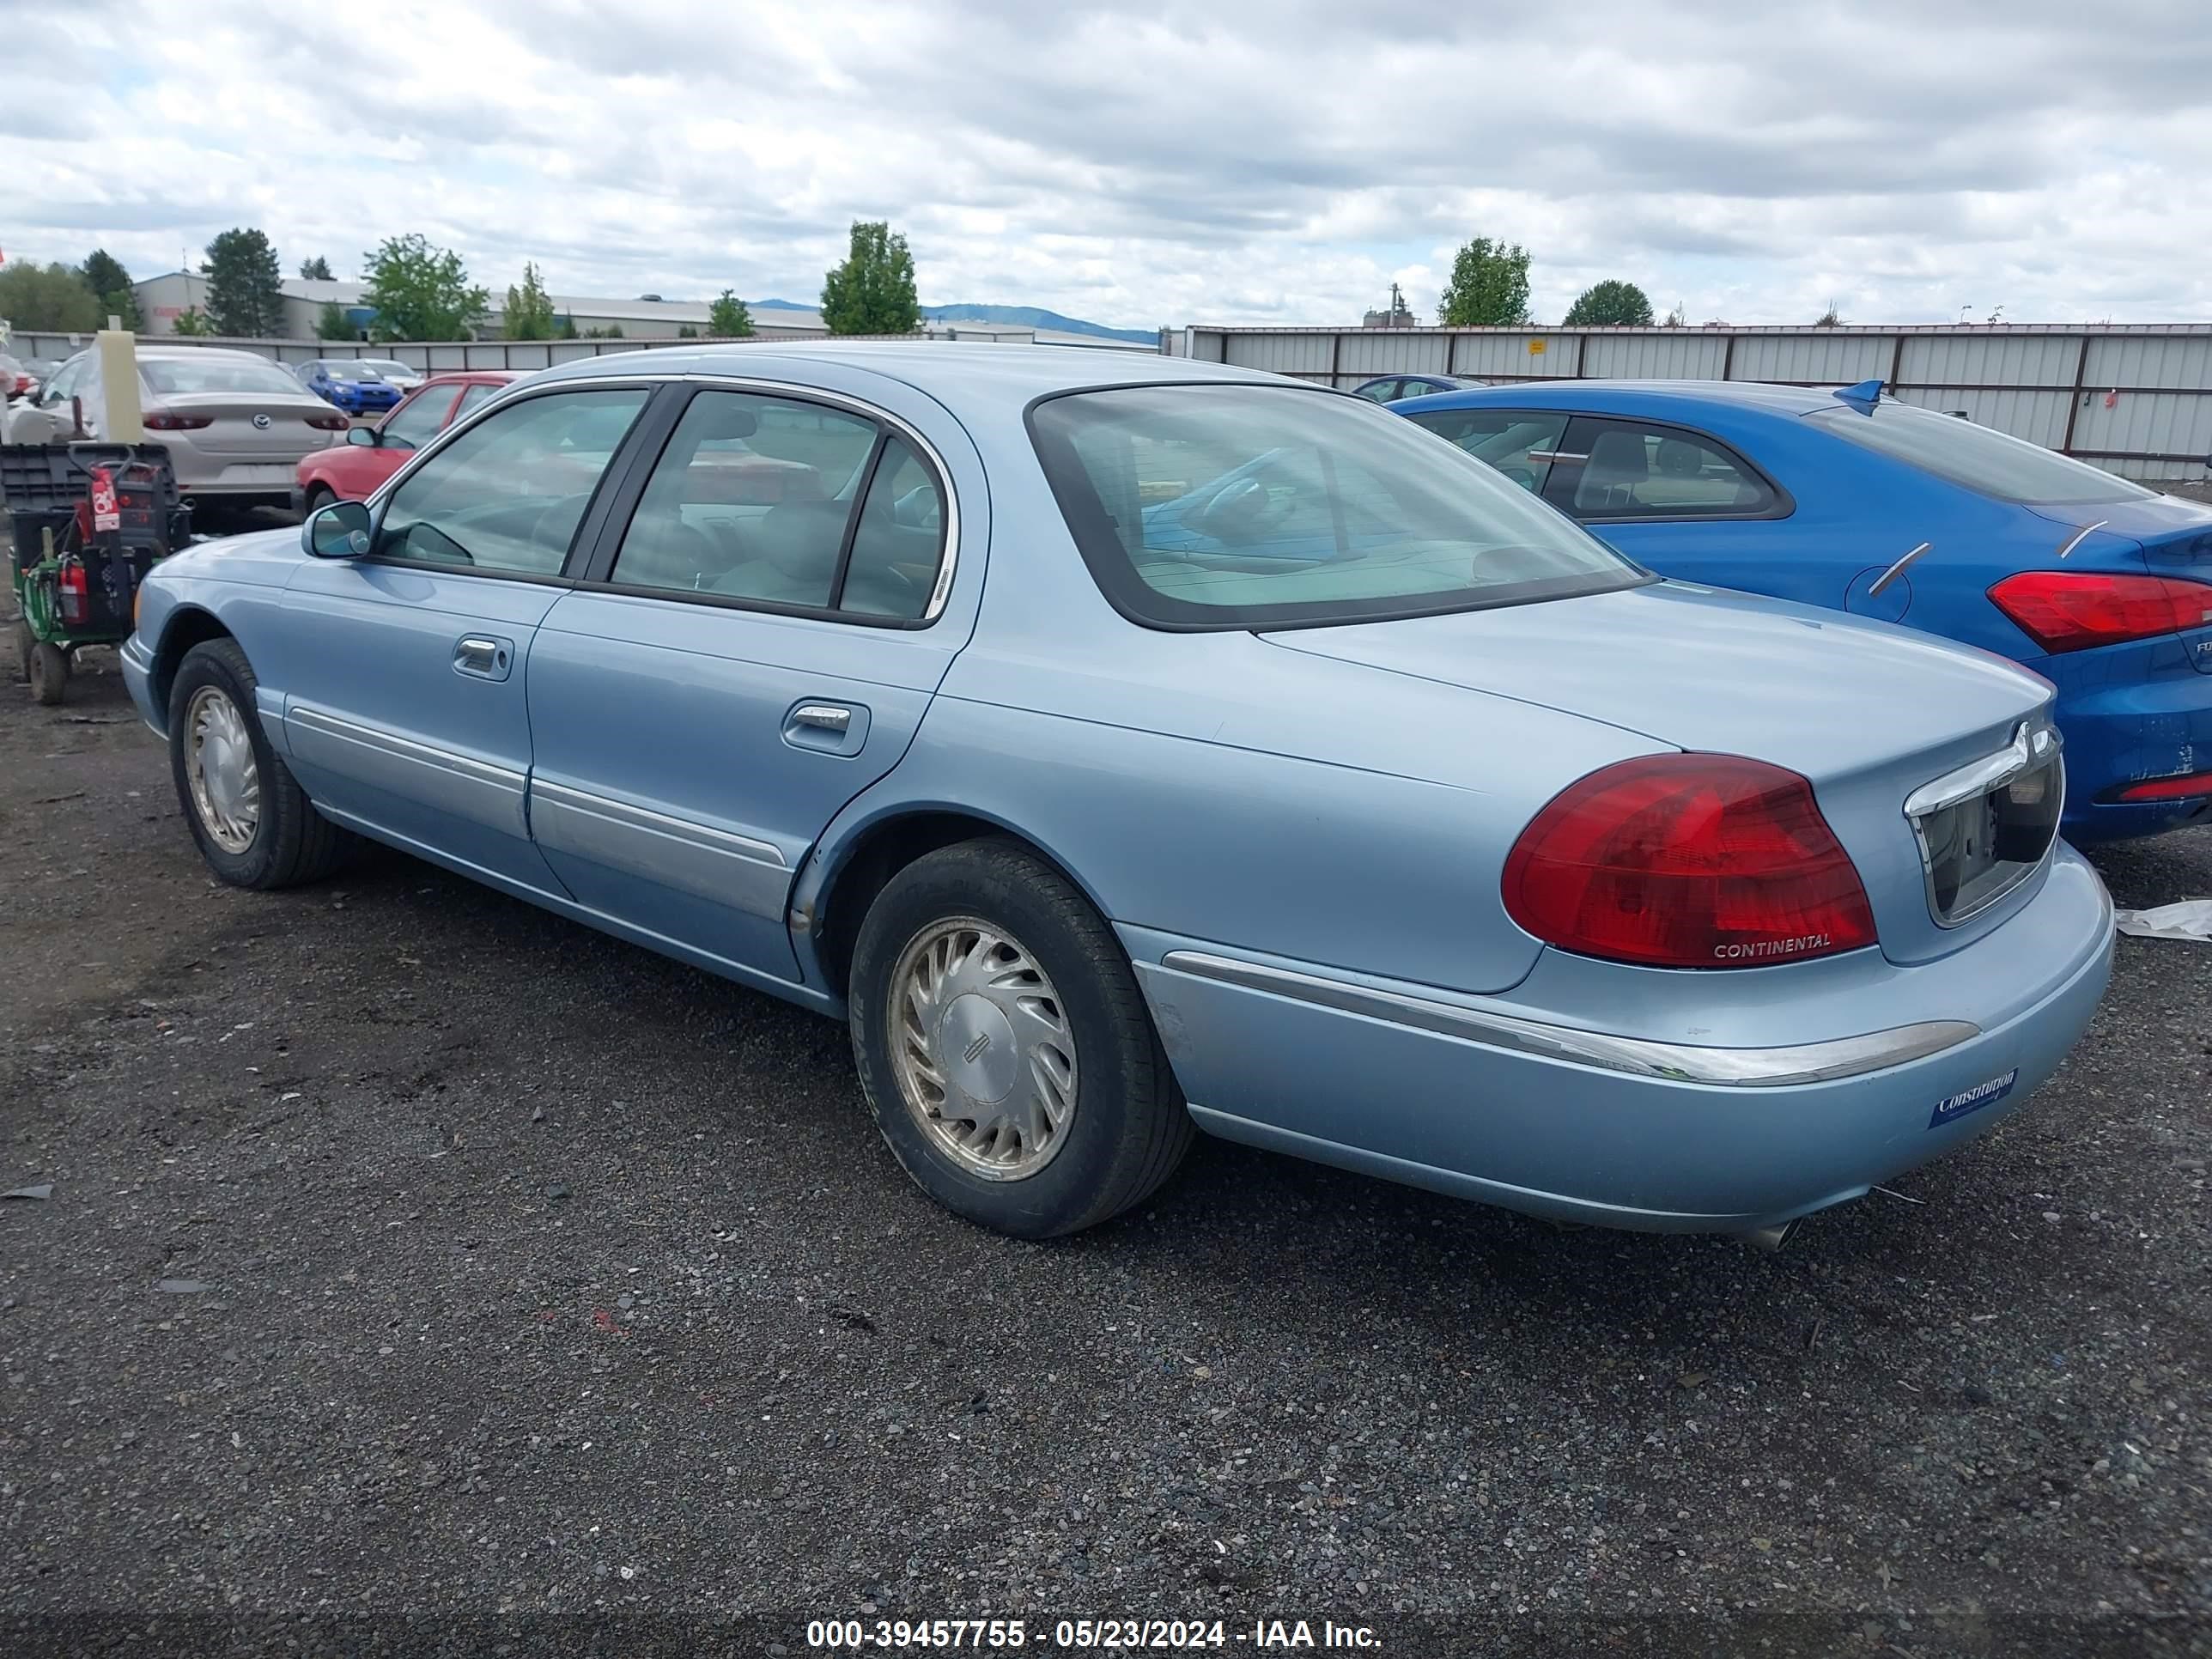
[1253, 506]
[2011, 468]
[169, 376]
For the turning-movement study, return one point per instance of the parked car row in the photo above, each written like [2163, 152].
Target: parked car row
[1123, 749]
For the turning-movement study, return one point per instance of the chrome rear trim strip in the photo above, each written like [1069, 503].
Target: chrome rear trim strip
[1676, 1062]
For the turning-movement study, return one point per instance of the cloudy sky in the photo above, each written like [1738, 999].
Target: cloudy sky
[1148, 163]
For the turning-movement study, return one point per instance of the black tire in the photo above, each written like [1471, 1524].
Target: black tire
[1129, 1129]
[319, 497]
[292, 842]
[26, 641]
[50, 673]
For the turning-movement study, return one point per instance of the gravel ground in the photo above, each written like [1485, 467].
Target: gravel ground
[425, 1274]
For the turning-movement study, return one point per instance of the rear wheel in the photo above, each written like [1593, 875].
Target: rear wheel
[50, 672]
[254, 824]
[1003, 1047]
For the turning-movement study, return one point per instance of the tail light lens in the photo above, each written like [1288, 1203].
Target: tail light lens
[1689, 862]
[2180, 788]
[162, 421]
[328, 422]
[2072, 611]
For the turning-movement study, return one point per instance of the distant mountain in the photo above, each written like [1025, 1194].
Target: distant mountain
[1003, 316]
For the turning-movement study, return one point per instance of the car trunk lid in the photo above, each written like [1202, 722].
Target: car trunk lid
[2167, 536]
[250, 425]
[1869, 714]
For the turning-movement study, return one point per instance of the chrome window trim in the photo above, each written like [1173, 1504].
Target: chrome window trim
[2033, 742]
[1674, 1062]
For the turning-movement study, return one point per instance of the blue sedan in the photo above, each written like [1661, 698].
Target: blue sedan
[1853, 500]
[354, 385]
[1363, 807]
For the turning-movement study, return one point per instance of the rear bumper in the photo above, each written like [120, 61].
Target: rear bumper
[2128, 719]
[1323, 1070]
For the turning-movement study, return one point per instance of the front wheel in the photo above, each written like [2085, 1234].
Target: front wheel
[254, 824]
[1003, 1047]
[319, 497]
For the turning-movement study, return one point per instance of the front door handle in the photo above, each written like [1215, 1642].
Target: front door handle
[484, 657]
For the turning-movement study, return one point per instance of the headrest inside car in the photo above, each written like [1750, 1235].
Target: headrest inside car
[720, 417]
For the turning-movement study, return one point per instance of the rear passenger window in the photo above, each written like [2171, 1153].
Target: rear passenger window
[1636, 471]
[789, 504]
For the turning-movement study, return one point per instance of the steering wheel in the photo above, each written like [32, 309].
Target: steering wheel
[918, 509]
[1524, 476]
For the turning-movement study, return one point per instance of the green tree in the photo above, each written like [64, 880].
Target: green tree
[872, 292]
[567, 331]
[612, 331]
[1828, 318]
[193, 322]
[1489, 286]
[51, 298]
[728, 319]
[246, 298]
[1612, 303]
[331, 322]
[103, 273]
[685, 331]
[420, 292]
[316, 270]
[529, 313]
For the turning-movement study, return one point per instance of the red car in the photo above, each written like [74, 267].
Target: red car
[354, 470]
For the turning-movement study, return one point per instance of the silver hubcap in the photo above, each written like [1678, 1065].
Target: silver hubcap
[219, 766]
[985, 1059]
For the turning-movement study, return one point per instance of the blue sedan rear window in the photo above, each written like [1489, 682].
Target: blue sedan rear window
[1218, 506]
[1995, 463]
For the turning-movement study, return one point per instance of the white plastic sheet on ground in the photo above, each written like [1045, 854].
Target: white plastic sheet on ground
[2191, 919]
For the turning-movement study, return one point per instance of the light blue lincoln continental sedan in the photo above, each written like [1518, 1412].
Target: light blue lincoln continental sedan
[1361, 806]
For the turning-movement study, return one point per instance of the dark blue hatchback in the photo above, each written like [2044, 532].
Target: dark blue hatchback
[1854, 501]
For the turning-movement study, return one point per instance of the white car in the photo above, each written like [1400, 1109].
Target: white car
[235, 425]
[396, 372]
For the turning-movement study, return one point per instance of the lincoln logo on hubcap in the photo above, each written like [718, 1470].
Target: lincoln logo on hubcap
[974, 1051]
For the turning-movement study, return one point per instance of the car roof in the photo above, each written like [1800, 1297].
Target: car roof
[1654, 397]
[950, 371]
[236, 354]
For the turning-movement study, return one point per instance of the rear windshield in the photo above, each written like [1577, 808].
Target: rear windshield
[1256, 506]
[212, 374]
[2011, 468]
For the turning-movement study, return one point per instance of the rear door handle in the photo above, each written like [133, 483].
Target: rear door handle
[484, 657]
[828, 728]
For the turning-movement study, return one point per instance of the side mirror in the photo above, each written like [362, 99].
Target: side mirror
[340, 531]
[364, 435]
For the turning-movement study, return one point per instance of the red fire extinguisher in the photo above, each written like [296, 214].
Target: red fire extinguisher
[76, 599]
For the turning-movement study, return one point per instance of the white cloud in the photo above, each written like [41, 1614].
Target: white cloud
[1140, 163]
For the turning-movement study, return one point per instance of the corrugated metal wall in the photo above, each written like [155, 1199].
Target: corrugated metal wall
[2134, 399]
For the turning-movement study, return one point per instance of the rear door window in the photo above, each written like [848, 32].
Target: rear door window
[1643, 470]
[1519, 442]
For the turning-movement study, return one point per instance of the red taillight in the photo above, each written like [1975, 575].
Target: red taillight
[2073, 610]
[328, 422]
[162, 421]
[1689, 862]
[2180, 788]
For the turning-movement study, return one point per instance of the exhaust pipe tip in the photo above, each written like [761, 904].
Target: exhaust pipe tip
[1772, 1239]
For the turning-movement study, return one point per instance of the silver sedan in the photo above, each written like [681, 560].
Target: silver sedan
[235, 425]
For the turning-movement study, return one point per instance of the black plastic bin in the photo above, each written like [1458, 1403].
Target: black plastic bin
[60, 475]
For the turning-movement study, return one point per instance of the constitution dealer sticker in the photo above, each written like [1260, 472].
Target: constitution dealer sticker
[1973, 1099]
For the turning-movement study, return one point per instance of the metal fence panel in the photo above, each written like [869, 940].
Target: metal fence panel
[1676, 353]
[1812, 359]
[1283, 352]
[1988, 357]
[1373, 351]
[2122, 361]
